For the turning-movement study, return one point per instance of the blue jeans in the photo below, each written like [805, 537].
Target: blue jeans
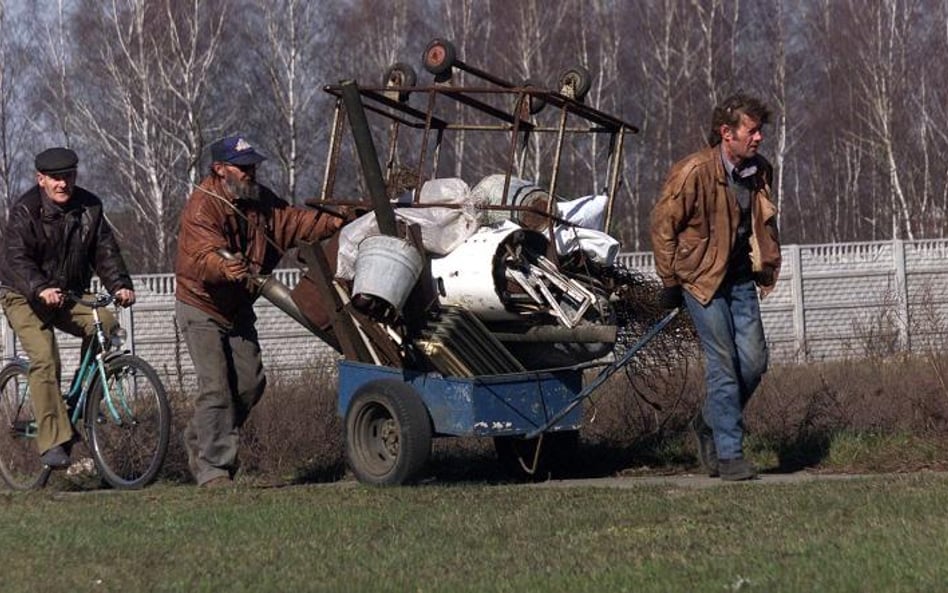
[735, 351]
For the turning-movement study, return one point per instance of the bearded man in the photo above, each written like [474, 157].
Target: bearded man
[232, 228]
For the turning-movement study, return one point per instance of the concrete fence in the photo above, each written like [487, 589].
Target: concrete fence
[832, 301]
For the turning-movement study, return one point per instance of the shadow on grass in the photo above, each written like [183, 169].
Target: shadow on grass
[653, 454]
[457, 462]
[806, 451]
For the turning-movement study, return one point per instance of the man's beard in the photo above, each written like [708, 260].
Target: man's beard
[242, 191]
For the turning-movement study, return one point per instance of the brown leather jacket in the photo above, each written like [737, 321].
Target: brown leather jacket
[694, 226]
[209, 222]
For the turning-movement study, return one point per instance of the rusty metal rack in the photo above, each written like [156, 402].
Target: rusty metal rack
[496, 106]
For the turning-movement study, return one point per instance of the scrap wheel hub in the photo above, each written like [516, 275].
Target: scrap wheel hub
[382, 437]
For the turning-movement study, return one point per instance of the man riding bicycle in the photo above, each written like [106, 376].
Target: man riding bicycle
[55, 238]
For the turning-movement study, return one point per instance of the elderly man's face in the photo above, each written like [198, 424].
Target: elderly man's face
[58, 187]
[240, 180]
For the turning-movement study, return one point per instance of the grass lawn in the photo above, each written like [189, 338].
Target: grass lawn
[886, 533]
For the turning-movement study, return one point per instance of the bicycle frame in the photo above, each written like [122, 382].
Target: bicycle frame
[92, 366]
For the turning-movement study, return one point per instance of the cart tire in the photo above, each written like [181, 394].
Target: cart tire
[575, 83]
[557, 453]
[439, 56]
[388, 433]
[400, 74]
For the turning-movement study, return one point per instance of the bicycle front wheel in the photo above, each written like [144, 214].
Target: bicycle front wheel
[128, 421]
[20, 465]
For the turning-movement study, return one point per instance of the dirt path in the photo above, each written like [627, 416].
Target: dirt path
[702, 481]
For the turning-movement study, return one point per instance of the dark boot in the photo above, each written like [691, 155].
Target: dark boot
[56, 457]
[735, 470]
[704, 441]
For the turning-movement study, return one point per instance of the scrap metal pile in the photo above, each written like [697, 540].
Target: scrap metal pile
[437, 275]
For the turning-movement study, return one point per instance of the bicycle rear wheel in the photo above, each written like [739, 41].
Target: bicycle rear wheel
[20, 465]
[128, 424]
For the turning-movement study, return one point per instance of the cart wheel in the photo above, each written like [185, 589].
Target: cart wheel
[439, 56]
[388, 433]
[400, 74]
[518, 455]
[575, 83]
[536, 103]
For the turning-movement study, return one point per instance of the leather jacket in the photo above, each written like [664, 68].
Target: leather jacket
[260, 230]
[694, 226]
[52, 246]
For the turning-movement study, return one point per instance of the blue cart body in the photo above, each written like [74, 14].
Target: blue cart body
[498, 405]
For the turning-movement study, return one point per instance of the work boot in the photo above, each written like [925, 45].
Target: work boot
[55, 458]
[735, 470]
[704, 441]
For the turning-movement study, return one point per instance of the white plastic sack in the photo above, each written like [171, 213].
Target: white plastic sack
[442, 230]
[588, 212]
[597, 245]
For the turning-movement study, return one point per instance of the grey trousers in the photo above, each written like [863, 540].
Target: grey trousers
[230, 381]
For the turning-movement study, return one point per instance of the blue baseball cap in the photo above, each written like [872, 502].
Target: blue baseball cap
[235, 150]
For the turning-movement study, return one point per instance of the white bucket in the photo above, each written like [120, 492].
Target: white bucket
[387, 268]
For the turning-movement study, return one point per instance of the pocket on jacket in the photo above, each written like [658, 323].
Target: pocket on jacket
[688, 258]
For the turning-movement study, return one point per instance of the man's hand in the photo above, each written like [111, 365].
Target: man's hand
[125, 297]
[671, 297]
[234, 270]
[53, 298]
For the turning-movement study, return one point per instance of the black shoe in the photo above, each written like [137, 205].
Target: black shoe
[55, 458]
[735, 470]
[704, 441]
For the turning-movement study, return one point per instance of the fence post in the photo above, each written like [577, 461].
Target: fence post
[901, 294]
[796, 294]
[127, 322]
[9, 346]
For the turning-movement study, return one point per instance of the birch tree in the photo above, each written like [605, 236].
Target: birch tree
[141, 109]
[294, 73]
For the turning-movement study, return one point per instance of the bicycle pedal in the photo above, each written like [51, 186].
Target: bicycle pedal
[23, 428]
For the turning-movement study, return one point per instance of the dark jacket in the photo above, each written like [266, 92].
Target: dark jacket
[694, 226]
[261, 233]
[48, 246]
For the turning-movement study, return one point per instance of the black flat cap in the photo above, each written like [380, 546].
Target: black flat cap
[53, 161]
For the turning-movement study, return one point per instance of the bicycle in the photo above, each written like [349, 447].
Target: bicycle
[116, 403]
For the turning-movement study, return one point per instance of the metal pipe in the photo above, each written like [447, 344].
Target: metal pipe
[605, 374]
[586, 334]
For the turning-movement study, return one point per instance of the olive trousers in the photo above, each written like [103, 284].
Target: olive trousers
[34, 329]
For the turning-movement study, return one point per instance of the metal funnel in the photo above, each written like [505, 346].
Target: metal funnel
[279, 294]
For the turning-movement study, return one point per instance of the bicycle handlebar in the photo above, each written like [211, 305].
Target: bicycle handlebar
[100, 300]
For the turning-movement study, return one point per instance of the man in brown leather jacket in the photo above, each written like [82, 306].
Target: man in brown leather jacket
[231, 228]
[715, 241]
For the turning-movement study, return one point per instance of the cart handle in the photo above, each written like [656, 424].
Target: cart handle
[605, 373]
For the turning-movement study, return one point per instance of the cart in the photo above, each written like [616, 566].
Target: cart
[416, 367]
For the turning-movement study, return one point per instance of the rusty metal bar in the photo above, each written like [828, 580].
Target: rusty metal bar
[329, 177]
[384, 213]
[615, 174]
[557, 154]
